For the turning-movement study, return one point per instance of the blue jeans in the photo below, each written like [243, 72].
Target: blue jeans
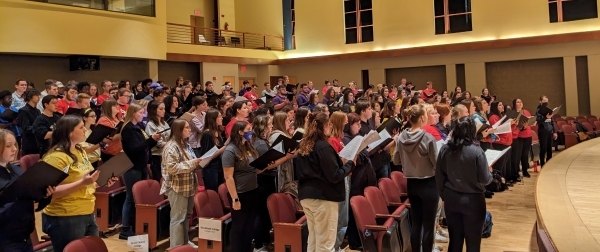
[21, 246]
[65, 229]
[131, 177]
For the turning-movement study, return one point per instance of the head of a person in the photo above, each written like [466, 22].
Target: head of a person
[135, 114]
[463, 134]
[21, 86]
[262, 126]
[156, 112]
[517, 104]
[240, 109]
[68, 132]
[443, 111]
[497, 108]
[123, 95]
[241, 136]
[319, 128]
[470, 105]
[323, 108]
[353, 125]
[49, 102]
[338, 121]
[281, 122]
[458, 111]
[301, 117]
[89, 116]
[31, 95]
[180, 132]
[8, 146]
[364, 110]
[110, 109]
[416, 115]
[432, 114]
[481, 105]
[6, 98]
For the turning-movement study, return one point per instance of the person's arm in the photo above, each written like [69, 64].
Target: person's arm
[228, 159]
[173, 161]
[484, 176]
[152, 128]
[40, 129]
[330, 164]
[440, 172]
[65, 189]
[433, 151]
[279, 106]
[130, 142]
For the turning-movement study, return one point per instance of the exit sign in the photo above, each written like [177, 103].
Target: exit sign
[197, 12]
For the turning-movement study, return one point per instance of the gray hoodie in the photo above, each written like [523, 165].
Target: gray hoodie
[417, 152]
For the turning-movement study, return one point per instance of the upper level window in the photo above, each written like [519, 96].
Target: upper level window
[571, 10]
[452, 16]
[138, 7]
[358, 19]
[293, 25]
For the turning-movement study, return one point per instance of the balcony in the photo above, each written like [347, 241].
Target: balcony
[185, 34]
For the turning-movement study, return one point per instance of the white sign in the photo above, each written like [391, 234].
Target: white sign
[209, 229]
[138, 243]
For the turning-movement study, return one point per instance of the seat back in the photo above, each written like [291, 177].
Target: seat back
[208, 204]
[376, 200]
[567, 129]
[282, 208]
[184, 248]
[87, 244]
[147, 192]
[400, 181]
[597, 124]
[592, 116]
[588, 126]
[592, 120]
[389, 190]
[28, 161]
[223, 194]
[560, 123]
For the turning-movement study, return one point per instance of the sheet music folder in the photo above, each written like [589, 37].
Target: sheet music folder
[100, 132]
[288, 143]
[114, 167]
[264, 160]
[32, 184]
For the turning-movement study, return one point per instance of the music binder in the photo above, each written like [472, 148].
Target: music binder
[271, 155]
[358, 144]
[74, 111]
[390, 125]
[545, 110]
[99, 133]
[493, 155]
[114, 167]
[385, 139]
[9, 115]
[297, 136]
[288, 143]
[32, 184]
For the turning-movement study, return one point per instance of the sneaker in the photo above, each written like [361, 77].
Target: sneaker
[443, 232]
[439, 238]
[192, 244]
[263, 249]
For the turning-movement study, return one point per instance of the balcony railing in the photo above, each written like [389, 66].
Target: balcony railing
[185, 34]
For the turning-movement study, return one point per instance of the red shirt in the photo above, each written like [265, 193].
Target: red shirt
[427, 94]
[122, 110]
[63, 105]
[230, 126]
[102, 98]
[526, 133]
[433, 131]
[251, 96]
[324, 90]
[503, 139]
[336, 143]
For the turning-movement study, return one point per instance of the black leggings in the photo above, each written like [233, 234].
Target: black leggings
[155, 167]
[242, 221]
[465, 215]
[424, 200]
[545, 146]
[263, 225]
[521, 149]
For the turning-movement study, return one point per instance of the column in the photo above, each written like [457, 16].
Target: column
[450, 78]
[570, 75]
[376, 76]
[153, 69]
[594, 76]
[475, 77]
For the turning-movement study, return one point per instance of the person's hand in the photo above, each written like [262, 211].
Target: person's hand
[90, 177]
[112, 181]
[236, 205]
[50, 190]
[513, 122]
[156, 136]
[491, 169]
[485, 133]
[554, 136]
[106, 140]
[271, 166]
[548, 116]
[197, 161]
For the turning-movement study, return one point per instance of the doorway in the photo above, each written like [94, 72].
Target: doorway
[242, 79]
[197, 26]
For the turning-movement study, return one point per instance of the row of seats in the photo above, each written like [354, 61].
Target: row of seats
[96, 244]
[567, 129]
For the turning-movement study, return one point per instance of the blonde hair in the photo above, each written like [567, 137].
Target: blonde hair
[337, 119]
[457, 109]
[279, 122]
[414, 113]
[133, 108]
[176, 135]
[3, 134]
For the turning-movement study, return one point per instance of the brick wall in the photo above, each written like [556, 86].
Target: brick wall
[418, 76]
[527, 80]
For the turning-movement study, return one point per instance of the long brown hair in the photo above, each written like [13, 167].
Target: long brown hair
[176, 136]
[107, 108]
[279, 122]
[245, 147]
[314, 132]
[210, 124]
[338, 120]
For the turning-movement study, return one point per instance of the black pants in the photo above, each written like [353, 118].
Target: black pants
[503, 163]
[465, 215]
[155, 167]
[242, 221]
[424, 198]
[352, 230]
[14, 245]
[545, 146]
[262, 225]
[521, 154]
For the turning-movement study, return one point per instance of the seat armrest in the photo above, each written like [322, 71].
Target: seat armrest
[387, 216]
[376, 227]
[403, 194]
[225, 217]
[301, 221]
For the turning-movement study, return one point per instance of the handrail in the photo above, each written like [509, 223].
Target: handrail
[188, 34]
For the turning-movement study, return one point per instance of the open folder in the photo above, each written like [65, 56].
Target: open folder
[272, 155]
[288, 143]
[385, 139]
[493, 155]
[114, 167]
[99, 133]
[390, 125]
[358, 144]
[32, 184]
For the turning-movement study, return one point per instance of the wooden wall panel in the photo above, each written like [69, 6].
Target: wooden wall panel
[418, 76]
[169, 71]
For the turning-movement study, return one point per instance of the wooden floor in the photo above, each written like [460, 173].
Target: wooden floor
[513, 214]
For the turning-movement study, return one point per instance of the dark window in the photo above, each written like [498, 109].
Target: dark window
[452, 16]
[571, 10]
[358, 21]
[293, 25]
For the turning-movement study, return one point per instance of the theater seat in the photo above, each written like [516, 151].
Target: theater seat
[208, 205]
[37, 244]
[380, 238]
[571, 137]
[223, 195]
[401, 183]
[291, 233]
[185, 248]
[109, 205]
[87, 244]
[28, 161]
[391, 193]
[535, 147]
[383, 212]
[152, 211]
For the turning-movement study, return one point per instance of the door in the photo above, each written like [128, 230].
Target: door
[274, 79]
[197, 24]
[250, 80]
[293, 80]
[231, 80]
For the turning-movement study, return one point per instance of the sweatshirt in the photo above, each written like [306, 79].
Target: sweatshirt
[417, 152]
[464, 170]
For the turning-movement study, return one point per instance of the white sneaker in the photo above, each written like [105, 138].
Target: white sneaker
[443, 232]
[263, 249]
[441, 239]
[192, 244]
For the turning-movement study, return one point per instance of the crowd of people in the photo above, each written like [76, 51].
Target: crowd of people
[450, 181]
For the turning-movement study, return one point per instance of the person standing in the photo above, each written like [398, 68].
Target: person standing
[546, 131]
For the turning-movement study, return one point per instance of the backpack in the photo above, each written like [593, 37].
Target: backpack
[487, 225]
[498, 183]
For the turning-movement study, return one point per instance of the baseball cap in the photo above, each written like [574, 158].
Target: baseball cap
[226, 87]
[156, 86]
[59, 84]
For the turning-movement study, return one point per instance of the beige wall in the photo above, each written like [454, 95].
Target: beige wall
[169, 71]
[32, 27]
[216, 71]
[268, 21]
[570, 86]
[227, 14]
[320, 25]
[251, 71]
[594, 75]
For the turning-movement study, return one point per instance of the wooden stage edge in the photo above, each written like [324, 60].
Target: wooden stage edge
[567, 198]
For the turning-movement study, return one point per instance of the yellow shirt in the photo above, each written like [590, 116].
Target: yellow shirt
[393, 148]
[80, 202]
[95, 155]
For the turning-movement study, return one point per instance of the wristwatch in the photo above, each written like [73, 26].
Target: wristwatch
[236, 200]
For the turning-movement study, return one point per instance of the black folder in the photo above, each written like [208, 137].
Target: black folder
[264, 160]
[288, 143]
[76, 111]
[511, 114]
[114, 167]
[544, 110]
[100, 132]
[298, 136]
[32, 184]
[390, 125]
[8, 115]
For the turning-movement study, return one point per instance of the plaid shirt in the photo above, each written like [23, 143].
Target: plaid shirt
[178, 170]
